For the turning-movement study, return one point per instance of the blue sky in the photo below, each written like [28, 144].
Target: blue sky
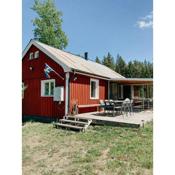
[100, 26]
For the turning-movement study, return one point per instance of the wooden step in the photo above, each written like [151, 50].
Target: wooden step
[77, 119]
[69, 126]
[73, 121]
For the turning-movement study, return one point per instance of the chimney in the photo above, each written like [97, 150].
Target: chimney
[86, 55]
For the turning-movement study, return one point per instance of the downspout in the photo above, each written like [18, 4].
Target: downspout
[67, 95]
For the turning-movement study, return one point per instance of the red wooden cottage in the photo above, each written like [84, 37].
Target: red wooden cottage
[72, 79]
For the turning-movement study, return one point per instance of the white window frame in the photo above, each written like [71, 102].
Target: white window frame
[43, 87]
[120, 91]
[31, 56]
[36, 55]
[96, 90]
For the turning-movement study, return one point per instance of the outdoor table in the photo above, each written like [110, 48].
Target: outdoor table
[126, 105]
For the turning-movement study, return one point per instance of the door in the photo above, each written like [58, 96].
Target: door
[126, 91]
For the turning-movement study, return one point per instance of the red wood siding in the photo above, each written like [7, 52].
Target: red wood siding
[33, 103]
[80, 91]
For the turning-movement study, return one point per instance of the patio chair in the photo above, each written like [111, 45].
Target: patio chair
[118, 108]
[126, 107]
[109, 106]
[147, 103]
[137, 105]
[150, 103]
[102, 104]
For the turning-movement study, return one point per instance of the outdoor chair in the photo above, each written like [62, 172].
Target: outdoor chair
[102, 104]
[126, 106]
[109, 106]
[118, 108]
[151, 103]
[148, 103]
[138, 105]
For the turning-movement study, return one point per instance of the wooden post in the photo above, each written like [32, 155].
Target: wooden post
[132, 91]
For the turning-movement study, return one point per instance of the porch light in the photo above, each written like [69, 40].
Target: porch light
[31, 68]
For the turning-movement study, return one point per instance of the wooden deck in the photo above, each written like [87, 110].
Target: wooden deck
[136, 119]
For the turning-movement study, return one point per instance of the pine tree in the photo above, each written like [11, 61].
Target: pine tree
[120, 65]
[97, 60]
[108, 61]
[48, 24]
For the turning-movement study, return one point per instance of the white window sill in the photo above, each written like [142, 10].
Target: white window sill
[47, 96]
[94, 98]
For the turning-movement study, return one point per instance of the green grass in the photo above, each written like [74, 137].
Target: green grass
[100, 150]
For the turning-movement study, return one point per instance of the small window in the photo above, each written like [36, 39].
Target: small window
[94, 89]
[120, 91]
[31, 56]
[47, 88]
[36, 54]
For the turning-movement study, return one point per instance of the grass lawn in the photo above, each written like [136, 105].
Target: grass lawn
[103, 150]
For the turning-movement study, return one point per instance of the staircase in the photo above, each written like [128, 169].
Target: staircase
[75, 123]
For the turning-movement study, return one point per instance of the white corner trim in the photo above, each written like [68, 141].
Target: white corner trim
[33, 42]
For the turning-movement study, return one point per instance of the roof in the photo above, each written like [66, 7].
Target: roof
[71, 62]
[133, 80]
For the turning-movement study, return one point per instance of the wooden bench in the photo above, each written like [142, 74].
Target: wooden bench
[89, 105]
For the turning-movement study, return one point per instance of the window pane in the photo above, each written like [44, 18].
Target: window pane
[51, 88]
[36, 54]
[31, 55]
[93, 89]
[46, 88]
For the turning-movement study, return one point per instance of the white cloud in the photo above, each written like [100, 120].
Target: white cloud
[146, 21]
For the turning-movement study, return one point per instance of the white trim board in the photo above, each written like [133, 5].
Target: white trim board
[90, 75]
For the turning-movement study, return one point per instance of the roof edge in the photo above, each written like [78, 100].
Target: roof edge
[133, 79]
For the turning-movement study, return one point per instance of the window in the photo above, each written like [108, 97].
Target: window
[31, 56]
[94, 89]
[47, 88]
[120, 91]
[36, 54]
